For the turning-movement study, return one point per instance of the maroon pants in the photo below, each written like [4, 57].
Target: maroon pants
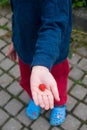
[60, 73]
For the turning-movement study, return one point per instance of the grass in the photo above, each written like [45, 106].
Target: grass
[4, 3]
[78, 40]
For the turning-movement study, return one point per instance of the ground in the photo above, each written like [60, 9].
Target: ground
[13, 100]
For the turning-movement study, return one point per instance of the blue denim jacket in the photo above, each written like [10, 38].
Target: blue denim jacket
[41, 30]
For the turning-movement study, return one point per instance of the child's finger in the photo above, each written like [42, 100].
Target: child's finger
[35, 98]
[51, 101]
[41, 103]
[46, 102]
[55, 92]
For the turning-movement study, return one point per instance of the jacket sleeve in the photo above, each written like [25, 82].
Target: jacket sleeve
[54, 19]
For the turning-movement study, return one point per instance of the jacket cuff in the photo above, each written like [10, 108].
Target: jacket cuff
[42, 60]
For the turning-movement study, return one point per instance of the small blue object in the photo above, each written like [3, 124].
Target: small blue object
[32, 110]
[58, 115]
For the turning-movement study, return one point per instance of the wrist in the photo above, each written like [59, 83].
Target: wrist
[40, 68]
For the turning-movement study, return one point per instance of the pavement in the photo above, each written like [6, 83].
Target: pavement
[13, 99]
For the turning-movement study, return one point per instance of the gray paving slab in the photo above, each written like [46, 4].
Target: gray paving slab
[47, 115]
[23, 118]
[3, 117]
[5, 49]
[13, 107]
[71, 103]
[79, 92]
[9, 26]
[71, 123]
[76, 73]
[83, 64]
[55, 128]
[4, 98]
[70, 83]
[40, 124]
[1, 71]
[26, 129]
[6, 64]
[15, 71]
[1, 57]
[82, 51]
[24, 97]
[75, 58]
[4, 11]
[84, 81]
[81, 111]
[84, 127]
[3, 21]
[3, 32]
[86, 99]
[5, 80]
[2, 43]
[9, 15]
[15, 88]
[12, 124]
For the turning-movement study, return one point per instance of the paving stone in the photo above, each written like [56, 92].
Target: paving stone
[3, 117]
[3, 21]
[55, 128]
[47, 115]
[76, 73]
[9, 15]
[71, 123]
[42, 111]
[2, 44]
[24, 97]
[1, 58]
[26, 129]
[40, 124]
[13, 107]
[79, 92]
[12, 124]
[81, 111]
[5, 49]
[5, 80]
[4, 97]
[82, 51]
[2, 32]
[4, 11]
[70, 83]
[83, 64]
[71, 103]
[15, 88]
[6, 64]
[84, 127]
[15, 71]
[70, 66]
[9, 25]
[9, 40]
[1, 71]
[75, 58]
[84, 81]
[86, 100]
[22, 117]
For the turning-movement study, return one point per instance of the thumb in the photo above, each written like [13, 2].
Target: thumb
[55, 92]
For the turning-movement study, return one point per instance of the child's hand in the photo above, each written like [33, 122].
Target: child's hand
[41, 75]
[11, 53]
[45, 98]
